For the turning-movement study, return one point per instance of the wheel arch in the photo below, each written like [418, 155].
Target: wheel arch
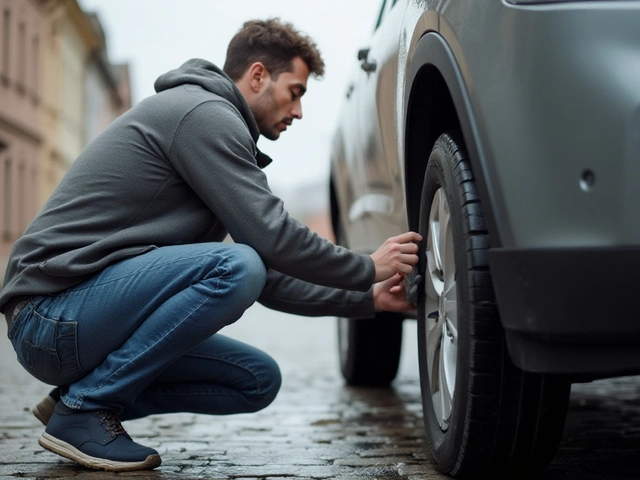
[435, 84]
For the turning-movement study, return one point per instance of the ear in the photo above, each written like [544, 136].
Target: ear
[258, 76]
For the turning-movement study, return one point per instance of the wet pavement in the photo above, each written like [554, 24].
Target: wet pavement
[317, 428]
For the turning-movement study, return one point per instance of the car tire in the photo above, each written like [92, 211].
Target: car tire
[369, 348]
[482, 414]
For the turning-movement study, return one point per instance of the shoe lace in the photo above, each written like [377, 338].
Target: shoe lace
[111, 423]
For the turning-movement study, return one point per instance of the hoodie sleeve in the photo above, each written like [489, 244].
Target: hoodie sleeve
[290, 295]
[213, 151]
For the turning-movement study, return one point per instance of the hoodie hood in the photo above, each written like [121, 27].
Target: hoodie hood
[208, 76]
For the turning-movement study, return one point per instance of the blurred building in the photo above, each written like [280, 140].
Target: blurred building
[21, 131]
[81, 93]
[107, 88]
[57, 92]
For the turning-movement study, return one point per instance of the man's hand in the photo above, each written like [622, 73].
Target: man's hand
[396, 255]
[390, 295]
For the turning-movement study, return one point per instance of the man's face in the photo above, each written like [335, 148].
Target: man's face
[278, 103]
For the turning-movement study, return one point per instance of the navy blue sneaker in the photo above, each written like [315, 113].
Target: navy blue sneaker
[95, 439]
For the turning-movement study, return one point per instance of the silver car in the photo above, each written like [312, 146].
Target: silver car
[507, 132]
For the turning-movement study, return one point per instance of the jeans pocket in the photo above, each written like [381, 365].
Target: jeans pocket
[42, 363]
[70, 368]
[46, 346]
[36, 347]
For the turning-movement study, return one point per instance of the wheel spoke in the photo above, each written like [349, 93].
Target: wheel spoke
[444, 396]
[449, 356]
[448, 260]
[433, 280]
[444, 233]
[452, 334]
[435, 225]
[434, 342]
[433, 284]
[450, 305]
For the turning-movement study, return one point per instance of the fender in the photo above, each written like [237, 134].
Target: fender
[433, 57]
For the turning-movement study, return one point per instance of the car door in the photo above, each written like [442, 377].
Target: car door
[347, 176]
[379, 203]
[348, 162]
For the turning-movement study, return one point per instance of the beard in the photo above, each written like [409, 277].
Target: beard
[265, 109]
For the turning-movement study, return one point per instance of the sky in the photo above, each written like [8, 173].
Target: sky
[155, 36]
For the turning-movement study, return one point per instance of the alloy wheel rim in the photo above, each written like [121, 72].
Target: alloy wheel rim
[441, 309]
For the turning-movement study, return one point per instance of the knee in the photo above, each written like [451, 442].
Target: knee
[251, 271]
[270, 383]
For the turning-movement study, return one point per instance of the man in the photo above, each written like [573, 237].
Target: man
[117, 289]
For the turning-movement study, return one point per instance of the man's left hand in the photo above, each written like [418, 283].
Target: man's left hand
[390, 295]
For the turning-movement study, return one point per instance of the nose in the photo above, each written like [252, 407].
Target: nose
[296, 111]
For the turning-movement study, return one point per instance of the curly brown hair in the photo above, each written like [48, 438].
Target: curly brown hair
[273, 43]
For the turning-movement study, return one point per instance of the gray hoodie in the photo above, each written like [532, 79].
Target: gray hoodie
[182, 167]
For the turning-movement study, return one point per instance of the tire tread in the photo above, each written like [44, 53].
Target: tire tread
[525, 412]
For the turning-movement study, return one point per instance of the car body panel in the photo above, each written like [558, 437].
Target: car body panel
[547, 98]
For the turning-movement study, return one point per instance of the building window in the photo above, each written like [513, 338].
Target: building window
[3, 200]
[33, 199]
[22, 199]
[22, 56]
[7, 190]
[35, 71]
[6, 24]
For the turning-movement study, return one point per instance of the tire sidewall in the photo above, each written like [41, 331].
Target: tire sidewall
[445, 445]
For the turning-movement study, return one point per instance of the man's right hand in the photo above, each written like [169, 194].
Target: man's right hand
[396, 255]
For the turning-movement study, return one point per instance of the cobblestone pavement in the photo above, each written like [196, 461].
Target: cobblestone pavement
[317, 428]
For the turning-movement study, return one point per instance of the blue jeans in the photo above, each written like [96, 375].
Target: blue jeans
[140, 337]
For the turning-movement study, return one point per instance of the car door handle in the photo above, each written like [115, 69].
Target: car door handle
[366, 65]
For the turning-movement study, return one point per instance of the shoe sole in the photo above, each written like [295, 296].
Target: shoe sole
[44, 410]
[66, 450]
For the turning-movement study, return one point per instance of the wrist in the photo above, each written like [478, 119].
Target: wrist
[376, 297]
